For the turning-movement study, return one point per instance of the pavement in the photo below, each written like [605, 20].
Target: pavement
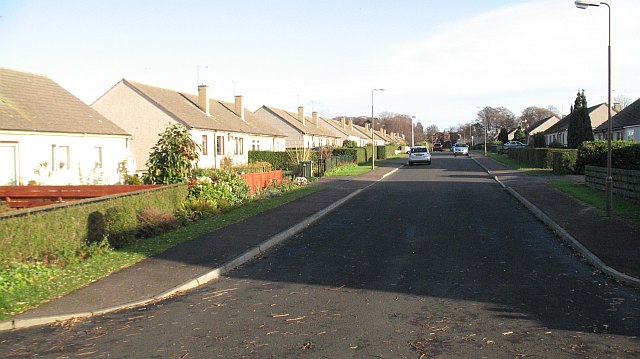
[609, 244]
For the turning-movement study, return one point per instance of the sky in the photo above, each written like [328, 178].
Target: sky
[439, 61]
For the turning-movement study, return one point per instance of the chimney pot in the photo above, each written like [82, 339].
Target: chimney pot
[617, 107]
[301, 115]
[203, 98]
[239, 107]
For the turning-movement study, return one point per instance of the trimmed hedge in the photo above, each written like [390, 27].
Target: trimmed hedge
[564, 161]
[536, 157]
[624, 155]
[359, 153]
[278, 160]
[63, 230]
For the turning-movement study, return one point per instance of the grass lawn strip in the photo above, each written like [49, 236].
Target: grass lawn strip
[27, 285]
[622, 208]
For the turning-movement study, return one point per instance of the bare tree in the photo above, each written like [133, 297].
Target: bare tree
[496, 118]
[623, 100]
[533, 114]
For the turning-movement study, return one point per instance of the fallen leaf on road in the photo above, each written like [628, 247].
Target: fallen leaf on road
[279, 315]
[294, 319]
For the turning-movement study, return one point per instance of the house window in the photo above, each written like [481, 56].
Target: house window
[631, 135]
[97, 157]
[255, 145]
[205, 145]
[239, 150]
[220, 145]
[63, 158]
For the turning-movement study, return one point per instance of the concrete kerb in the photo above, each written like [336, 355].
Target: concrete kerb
[565, 236]
[210, 276]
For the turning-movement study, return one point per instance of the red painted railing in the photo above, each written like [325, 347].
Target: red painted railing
[34, 196]
[261, 180]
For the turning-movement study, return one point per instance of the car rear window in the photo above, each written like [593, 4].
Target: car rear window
[418, 149]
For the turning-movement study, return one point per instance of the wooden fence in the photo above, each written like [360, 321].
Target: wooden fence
[35, 196]
[262, 179]
[626, 183]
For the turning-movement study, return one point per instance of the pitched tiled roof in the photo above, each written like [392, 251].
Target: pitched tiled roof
[222, 117]
[30, 102]
[563, 124]
[307, 128]
[538, 124]
[629, 116]
[337, 124]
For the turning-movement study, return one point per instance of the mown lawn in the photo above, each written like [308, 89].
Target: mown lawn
[622, 208]
[27, 285]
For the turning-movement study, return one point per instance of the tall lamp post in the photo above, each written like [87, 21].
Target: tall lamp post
[583, 4]
[373, 143]
[412, 138]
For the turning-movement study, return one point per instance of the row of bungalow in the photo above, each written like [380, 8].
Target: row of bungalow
[48, 136]
[625, 124]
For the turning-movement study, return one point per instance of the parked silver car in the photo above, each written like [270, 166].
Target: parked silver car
[512, 144]
[460, 149]
[419, 154]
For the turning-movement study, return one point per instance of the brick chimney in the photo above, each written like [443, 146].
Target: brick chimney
[314, 116]
[617, 107]
[344, 122]
[239, 107]
[301, 115]
[203, 98]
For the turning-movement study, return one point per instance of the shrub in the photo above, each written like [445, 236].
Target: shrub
[564, 161]
[194, 209]
[120, 226]
[172, 158]
[223, 188]
[359, 153]
[349, 144]
[539, 140]
[624, 154]
[556, 144]
[152, 222]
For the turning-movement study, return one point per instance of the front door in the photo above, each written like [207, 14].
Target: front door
[8, 164]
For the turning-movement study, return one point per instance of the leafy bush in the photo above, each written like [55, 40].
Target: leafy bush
[223, 188]
[539, 140]
[349, 144]
[172, 158]
[624, 154]
[564, 161]
[194, 209]
[120, 226]
[556, 144]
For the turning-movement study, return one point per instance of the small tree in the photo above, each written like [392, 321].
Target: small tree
[538, 140]
[580, 129]
[519, 135]
[173, 158]
[503, 136]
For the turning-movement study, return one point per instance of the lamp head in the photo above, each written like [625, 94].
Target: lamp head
[583, 4]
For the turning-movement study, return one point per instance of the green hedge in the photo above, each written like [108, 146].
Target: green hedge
[564, 161]
[359, 153]
[279, 160]
[624, 155]
[63, 230]
[536, 157]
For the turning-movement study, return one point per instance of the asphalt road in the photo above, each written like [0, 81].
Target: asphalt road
[433, 261]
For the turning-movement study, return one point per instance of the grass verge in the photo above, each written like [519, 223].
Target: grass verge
[27, 285]
[622, 208]
[349, 170]
[531, 171]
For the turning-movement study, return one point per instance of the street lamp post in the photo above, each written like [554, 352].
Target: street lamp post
[583, 4]
[412, 138]
[373, 143]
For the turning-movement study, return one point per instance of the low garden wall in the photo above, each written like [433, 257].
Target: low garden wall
[626, 183]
